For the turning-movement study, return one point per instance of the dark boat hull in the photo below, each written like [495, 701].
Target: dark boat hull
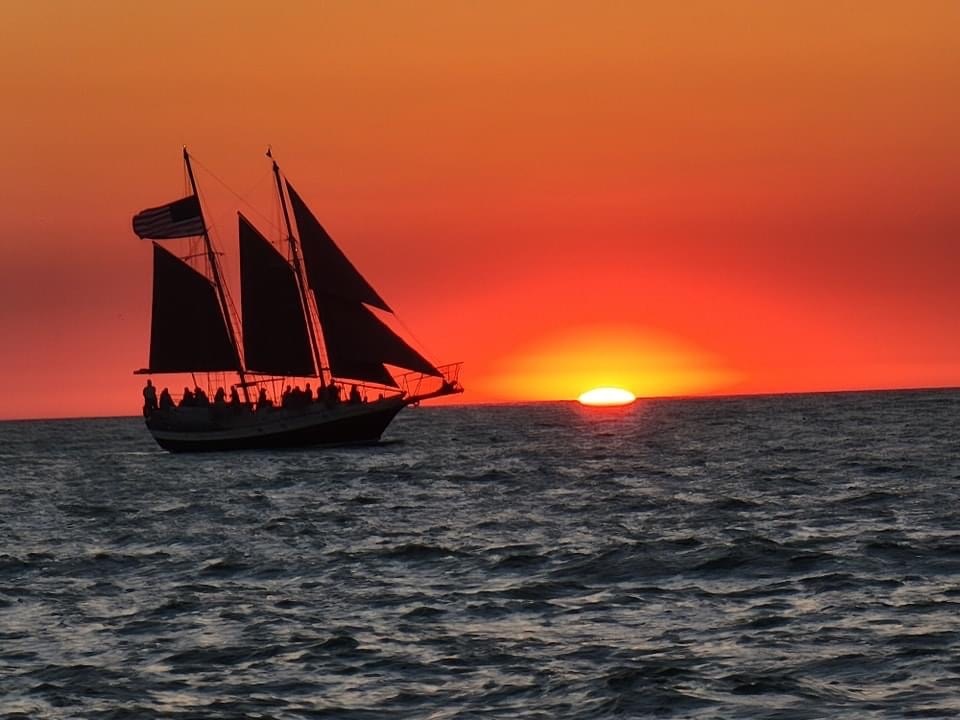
[222, 428]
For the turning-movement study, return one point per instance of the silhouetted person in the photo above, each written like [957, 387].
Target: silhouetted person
[354, 395]
[200, 398]
[331, 395]
[285, 397]
[186, 400]
[308, 394]
[166, 402]
[234, 397]
[220, 397]
[447, 386]
[149, 398]
[263, 402]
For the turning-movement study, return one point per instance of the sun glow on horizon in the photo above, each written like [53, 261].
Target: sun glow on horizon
[606, 397]
[564, 364]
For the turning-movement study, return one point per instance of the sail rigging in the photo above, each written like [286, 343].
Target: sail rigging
[313, 315]
[188, 332]
[358, 343]
[301, 320]
[275, 336]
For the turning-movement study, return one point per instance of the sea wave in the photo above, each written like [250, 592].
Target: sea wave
[781, 557]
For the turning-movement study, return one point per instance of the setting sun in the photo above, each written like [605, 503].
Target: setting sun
[518, 180]
[606, 396]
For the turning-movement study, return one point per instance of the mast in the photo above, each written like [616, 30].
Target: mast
[218, 281]
[298, 271]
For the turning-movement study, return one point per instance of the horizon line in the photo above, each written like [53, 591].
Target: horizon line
[484, 403]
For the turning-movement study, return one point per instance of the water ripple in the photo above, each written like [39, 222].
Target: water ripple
[778, 557]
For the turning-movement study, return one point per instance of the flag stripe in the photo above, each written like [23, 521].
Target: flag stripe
[180, 218]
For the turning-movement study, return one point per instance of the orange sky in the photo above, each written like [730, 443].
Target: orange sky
[717, 197]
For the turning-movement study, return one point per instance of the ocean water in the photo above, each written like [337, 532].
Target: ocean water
[764, 557]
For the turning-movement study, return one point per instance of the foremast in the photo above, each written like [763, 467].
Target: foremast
[217, 280]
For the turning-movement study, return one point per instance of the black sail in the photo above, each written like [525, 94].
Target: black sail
[329, 272]
[275, 339]
[188, 332]
[359, 344]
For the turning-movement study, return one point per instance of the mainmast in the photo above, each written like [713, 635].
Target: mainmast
[217, 280]
[298, 271]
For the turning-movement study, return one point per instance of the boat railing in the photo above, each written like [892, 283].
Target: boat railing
[418, 385]
[412, 385]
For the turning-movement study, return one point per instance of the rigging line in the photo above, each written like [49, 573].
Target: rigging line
[237, 195]
[423, 347]
[231, 308]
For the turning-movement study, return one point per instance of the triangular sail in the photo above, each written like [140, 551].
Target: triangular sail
[359, 344]
[188, 332]
[275, 339]
[329, 272]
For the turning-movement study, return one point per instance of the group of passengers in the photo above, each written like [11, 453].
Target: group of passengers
[328, 395]
[291, 398]
[198, 398]
[190, 398]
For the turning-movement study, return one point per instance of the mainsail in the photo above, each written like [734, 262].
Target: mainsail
[275, 339]
[188, 332]
[357, 342]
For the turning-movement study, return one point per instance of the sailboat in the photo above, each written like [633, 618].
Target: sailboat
[306, 313]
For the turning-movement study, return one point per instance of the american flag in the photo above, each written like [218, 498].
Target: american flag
[181, 218]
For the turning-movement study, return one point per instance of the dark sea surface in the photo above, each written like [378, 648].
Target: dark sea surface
[764, 557]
